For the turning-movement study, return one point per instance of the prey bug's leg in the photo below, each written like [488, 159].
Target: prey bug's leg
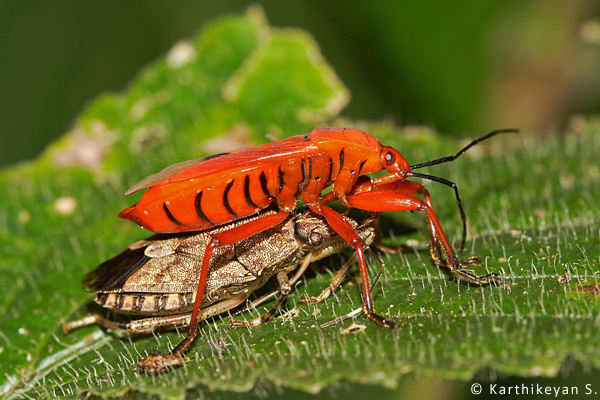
[354, 312]
[265, 297]
[343, 228]
[284, 289]
[157, 362]
[254, 303]
[334, 284]
[388, 200]
[94, 319]
[145, 325]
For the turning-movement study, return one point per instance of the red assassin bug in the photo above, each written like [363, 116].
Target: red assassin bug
[215, 190]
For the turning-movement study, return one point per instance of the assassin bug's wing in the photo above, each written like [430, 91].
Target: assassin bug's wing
[218, 163]
[163, 176]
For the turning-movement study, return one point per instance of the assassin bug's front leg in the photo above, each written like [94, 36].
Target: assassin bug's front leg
[403, 200]
[400, 197]
[452, 185]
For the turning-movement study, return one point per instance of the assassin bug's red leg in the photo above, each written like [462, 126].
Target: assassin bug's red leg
[230, 236]
[347, 232]
[412, 188]
[396, 200]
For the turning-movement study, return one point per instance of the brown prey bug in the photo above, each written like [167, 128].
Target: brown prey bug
[156, 278]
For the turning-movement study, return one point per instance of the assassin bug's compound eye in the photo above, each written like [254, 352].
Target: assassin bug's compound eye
[388, 156]
[315, 238]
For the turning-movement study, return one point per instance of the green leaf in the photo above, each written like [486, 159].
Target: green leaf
[530, 203]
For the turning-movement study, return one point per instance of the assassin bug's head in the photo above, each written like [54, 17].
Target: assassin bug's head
[392, 161]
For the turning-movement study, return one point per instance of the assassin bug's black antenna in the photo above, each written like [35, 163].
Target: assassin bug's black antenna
[452, 184]
[467, 147]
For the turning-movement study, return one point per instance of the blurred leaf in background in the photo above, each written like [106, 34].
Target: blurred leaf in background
[461, 67]
[543, 62]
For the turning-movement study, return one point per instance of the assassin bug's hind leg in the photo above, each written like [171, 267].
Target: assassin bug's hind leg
[158, 363]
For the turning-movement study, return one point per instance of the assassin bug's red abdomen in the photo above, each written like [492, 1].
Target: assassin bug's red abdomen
[215, 190]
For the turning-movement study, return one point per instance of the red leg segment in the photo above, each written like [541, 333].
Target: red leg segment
[401, 199]
[347, 232]
[230, 236]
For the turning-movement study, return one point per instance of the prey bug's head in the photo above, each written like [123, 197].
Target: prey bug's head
[312, 231]
[452, 184]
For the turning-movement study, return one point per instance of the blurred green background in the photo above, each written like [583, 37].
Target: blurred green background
[462, 67]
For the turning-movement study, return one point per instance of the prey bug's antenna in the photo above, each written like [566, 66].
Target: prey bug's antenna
[452, 184]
